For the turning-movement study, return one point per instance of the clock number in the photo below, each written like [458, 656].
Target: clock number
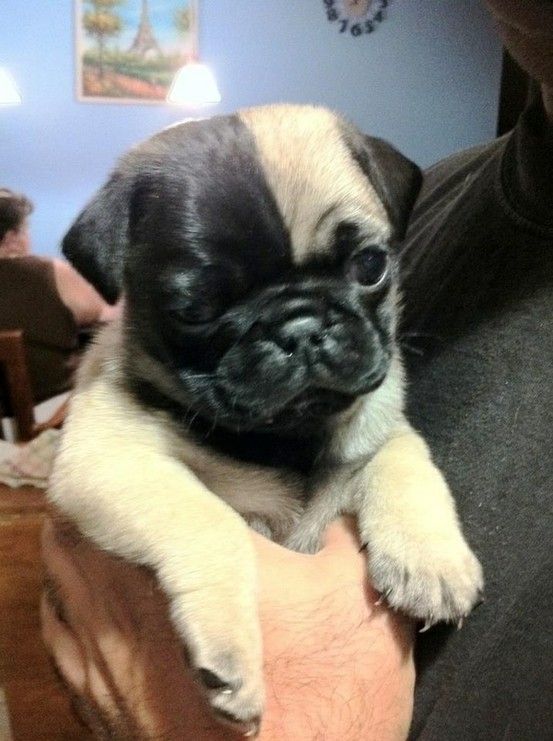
[357, 23]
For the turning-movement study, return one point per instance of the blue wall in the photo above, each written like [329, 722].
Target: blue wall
[427, 80]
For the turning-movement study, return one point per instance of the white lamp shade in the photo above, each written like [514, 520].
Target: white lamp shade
[194, 85]
[9, 94]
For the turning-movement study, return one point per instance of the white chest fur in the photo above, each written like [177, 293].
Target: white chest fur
[261, 495]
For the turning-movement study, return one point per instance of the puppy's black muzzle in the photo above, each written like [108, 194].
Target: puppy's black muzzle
[308, 355]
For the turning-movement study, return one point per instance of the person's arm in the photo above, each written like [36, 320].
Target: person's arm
[86, 305]
[337, 666]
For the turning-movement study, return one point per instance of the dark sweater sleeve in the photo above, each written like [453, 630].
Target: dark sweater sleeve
[478, 289]
[527, 169]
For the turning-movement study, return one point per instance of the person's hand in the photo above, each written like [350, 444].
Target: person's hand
[337, 666]
[526, 27]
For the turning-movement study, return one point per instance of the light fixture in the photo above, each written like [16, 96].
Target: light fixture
[194, 85]
[9, 94]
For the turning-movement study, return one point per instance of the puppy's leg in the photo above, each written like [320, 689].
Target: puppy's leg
[418, 557]
[117, 477]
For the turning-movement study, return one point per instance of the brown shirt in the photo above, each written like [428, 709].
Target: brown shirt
[30, 301]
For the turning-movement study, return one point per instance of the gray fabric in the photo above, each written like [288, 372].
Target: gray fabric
[478, 282]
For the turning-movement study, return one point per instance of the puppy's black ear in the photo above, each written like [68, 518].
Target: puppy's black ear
[395, 178]
[96, 242]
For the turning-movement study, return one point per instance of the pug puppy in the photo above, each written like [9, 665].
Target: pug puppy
[255, 379]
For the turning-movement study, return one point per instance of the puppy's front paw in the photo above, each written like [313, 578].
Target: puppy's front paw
[213, 607]
[223, 647]
[432, 579]
[233, 689]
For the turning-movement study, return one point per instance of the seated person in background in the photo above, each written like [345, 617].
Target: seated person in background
[46, 298]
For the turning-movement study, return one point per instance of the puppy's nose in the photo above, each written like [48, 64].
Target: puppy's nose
[301, 333]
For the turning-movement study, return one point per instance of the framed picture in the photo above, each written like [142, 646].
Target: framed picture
[127, 51]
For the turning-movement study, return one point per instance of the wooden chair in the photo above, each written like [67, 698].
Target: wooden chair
[16, 387]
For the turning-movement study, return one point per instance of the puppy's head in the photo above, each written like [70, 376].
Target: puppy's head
[256, 253]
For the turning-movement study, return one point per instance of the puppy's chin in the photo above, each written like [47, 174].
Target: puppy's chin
[293, 408]
[307, 413]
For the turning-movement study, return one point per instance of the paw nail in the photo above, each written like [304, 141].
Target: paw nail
[246, 728]
[426, 626]
[383, 597]
[213, 682]
[253, 730]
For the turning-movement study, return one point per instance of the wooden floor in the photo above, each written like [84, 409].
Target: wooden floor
[37, 708]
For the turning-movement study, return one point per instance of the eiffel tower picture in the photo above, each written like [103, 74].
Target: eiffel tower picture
[130, 51]
[145, 44]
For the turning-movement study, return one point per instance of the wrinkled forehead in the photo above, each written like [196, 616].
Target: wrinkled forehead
[313, 177]
[262, 190]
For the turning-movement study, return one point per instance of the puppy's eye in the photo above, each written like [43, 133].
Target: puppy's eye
[196, 313]
[369, 267]
[198, 296]
[204, 306]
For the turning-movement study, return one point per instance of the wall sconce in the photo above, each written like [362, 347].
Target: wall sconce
[194, 85]
[9, 94]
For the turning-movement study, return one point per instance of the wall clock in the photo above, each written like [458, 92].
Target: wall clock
[356, 17]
